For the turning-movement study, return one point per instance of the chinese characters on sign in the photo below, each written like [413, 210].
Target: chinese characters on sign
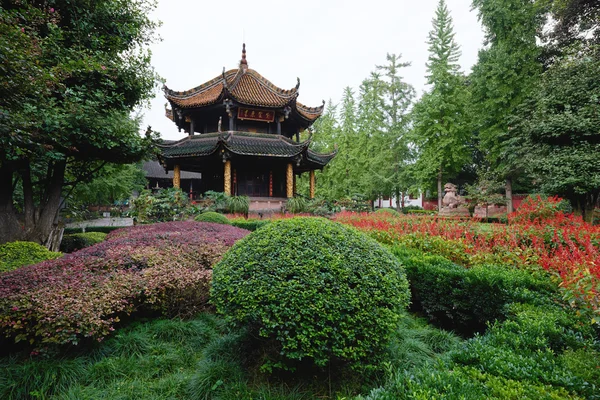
[255, 115]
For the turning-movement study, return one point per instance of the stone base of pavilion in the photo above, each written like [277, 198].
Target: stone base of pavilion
[267, 205]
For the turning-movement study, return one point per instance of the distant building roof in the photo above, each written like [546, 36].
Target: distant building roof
[153, 169]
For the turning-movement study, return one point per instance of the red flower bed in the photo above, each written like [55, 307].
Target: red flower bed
[164, 267]
[537, 235]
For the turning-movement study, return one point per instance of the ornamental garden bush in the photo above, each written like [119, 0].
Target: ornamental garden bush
[212, 216]
[78, 241]
[163, 268]
[466, 300]
[313, 290]
[17, 254]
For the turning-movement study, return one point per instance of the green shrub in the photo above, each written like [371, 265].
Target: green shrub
[388, 211]
[163, 206]
[314, 289]
[424, 212]
[17, 254]
[249, 224]
[461, 299]
[76, 241]
[103, 229]
[215, 201]
[211, 216]
[296, 205]
[238, 204]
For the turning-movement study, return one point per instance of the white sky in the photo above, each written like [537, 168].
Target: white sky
[328, 44]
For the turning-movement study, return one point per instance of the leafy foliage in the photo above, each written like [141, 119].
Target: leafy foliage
[211, 216]
[162, 267]
[165, 205]
[14, 255]
[557, 130]
[75, 72]
[296, 205]
[238, 204]
[465, 300]
[78, 241]
[276, 281]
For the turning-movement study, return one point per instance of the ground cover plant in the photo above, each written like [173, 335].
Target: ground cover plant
[164, 268]
[538, 237]
[314, 291]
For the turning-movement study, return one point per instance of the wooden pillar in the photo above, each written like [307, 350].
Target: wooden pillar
[312, 184]
[271, 183]
[290, 181]
[176, 177]
[227, 178]
[192, 128]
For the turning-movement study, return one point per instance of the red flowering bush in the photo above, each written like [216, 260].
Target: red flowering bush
[164, 267]
[539, 236]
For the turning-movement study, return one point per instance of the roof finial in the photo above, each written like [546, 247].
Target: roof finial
[243, 62]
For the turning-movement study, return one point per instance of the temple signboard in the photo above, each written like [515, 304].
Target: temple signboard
[255, 115]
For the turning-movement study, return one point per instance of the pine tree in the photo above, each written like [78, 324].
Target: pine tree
[441, 119]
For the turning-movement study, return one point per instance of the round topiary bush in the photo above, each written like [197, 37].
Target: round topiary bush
[212, 216]
[315, 289]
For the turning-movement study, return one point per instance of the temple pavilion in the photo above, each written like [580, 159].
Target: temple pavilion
[243, 135]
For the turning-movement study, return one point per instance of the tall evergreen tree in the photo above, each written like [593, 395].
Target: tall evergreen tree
[398, 97]
[441, 119]
[504, 76]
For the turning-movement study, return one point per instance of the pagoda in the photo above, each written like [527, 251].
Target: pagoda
[243, 135]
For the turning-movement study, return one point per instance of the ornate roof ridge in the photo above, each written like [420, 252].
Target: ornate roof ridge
[264, 82]
[200, 88]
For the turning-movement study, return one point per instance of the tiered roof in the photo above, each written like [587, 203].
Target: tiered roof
[244, 144]
[246, 86]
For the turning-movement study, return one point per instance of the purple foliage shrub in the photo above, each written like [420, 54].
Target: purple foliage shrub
[165, 267]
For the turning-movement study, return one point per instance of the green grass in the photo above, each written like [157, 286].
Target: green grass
[195, 359]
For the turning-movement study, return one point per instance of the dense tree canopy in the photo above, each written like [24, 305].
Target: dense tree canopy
[557, 131]
[74, 72]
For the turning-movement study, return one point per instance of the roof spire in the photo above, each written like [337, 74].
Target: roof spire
[243, 62]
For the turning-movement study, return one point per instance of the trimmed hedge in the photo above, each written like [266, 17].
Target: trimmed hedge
[249, 224]
[102, 229]
[14, 255]
[78, 241]
[465, 300]
[314, 289]
[163, 268]
[212, 216]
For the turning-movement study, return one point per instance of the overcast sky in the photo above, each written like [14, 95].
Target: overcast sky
[328, 44]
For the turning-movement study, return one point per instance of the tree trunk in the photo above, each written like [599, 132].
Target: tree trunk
[509, 197]
[397, 194]
[439, 189]
[10, 228]
[28, 203]
[44, 225]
